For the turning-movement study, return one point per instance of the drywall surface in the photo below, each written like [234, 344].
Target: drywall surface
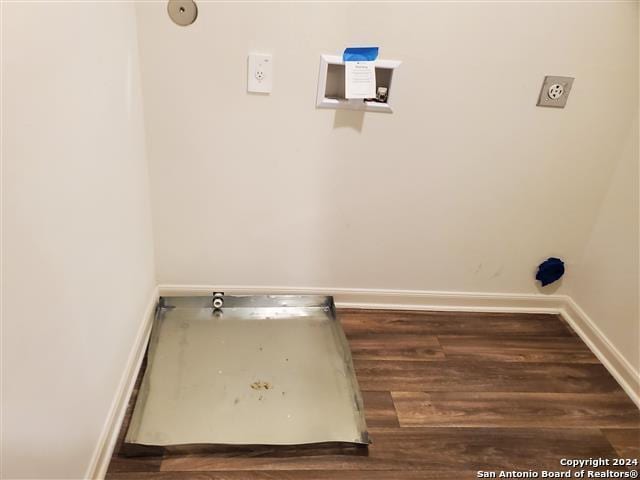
[605, 281]
[466, 187]
[77, 243]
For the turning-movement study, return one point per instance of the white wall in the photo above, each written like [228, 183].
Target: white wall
[467, 187]
[77, 243]
[605, 281]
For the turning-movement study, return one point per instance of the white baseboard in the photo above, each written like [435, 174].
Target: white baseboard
[103, 451]
[394, 299]
[601, 346]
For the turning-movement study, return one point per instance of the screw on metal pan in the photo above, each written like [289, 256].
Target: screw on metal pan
[218, 299]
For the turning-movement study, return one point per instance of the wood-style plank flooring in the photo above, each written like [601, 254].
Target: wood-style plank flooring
[445, 395]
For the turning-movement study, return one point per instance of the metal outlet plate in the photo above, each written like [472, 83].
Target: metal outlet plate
[555, 91]
[182, 12]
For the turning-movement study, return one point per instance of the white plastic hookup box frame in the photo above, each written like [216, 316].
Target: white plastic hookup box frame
[331, 85]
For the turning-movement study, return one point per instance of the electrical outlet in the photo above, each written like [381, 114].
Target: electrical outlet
[555, 91]
[260, 73]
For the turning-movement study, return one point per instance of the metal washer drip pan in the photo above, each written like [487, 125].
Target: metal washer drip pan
[261, 370]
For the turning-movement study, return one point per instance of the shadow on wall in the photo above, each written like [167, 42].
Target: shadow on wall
[349, 119]
[551, 288]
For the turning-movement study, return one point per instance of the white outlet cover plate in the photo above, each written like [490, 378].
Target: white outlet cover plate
[260, 73]
[545, 100]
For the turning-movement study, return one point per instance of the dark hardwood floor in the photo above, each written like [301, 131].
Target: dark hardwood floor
[445, 394]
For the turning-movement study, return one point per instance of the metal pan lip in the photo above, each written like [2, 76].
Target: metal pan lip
[250, 301]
